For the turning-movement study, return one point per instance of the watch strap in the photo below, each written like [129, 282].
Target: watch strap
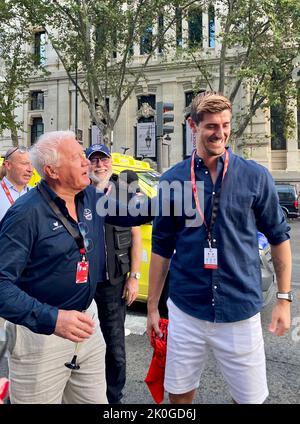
[286, 296]
[135, 275]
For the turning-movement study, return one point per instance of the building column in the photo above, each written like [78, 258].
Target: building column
[292, 141]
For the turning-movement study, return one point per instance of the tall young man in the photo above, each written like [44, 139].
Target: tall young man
[215, 293]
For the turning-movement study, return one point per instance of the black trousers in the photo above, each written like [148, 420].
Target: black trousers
[111, 311]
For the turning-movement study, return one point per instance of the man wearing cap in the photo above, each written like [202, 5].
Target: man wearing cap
[18, 171]
[116, 289]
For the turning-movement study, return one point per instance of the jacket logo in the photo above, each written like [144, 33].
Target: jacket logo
[56, 226]
[87, 213]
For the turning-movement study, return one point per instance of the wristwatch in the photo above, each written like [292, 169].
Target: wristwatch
[287, 296]
[135, 275]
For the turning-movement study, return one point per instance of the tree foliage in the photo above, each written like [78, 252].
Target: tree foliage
[16, 65]
[254, 52]
[97, 38]
[253, 56]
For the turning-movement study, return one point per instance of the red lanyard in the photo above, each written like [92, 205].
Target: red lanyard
[7, 192]
[194, 185]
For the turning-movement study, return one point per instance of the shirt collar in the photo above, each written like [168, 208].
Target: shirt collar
[58, 200]
[199, 160]
[10, 185]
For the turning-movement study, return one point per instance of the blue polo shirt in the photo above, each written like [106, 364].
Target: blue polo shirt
[38, 258]
[248, 202]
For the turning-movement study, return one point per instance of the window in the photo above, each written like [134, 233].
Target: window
[211, 26]
[37, 100]
[178, 21]
[114, 43]
[189, 95]
[40, 48]
[160, 25]
[37, 129]
[278, 141]
[146, 41]
[150, 99]
[195, 27]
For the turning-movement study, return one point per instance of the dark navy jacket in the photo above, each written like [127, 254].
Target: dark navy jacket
[248, 203]
[38, 259]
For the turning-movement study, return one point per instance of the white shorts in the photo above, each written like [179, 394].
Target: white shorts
[238, 348]
[37, 372]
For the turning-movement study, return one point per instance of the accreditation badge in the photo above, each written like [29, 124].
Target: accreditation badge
[210, 258]
[82, 272]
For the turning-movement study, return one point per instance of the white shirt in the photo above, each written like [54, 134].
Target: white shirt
[15, 194]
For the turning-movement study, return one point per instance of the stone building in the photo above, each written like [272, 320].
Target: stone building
[52, 103]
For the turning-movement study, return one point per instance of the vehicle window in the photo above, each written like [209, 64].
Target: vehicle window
[286, 193]
[285, 196]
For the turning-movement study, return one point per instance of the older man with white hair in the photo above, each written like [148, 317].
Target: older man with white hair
[51, 257]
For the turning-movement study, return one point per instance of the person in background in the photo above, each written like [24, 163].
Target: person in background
[119, 285]
[215, 293]
[17, 172]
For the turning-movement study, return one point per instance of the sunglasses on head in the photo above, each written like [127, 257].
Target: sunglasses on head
[21, 149]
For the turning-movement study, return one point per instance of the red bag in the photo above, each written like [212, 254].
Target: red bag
[156, 373]
[4, 385]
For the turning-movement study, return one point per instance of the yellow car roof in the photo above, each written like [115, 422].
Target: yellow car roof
[121, 162]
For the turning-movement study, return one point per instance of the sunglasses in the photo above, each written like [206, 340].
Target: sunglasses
[88, 243]
[21, 149]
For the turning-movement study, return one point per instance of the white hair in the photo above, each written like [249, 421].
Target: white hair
[45, 149]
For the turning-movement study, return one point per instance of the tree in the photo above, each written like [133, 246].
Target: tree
[97, 39]
[256, 46]
[16, 66]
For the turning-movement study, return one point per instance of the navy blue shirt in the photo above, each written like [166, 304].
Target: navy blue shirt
[39, 258]
[248, 202]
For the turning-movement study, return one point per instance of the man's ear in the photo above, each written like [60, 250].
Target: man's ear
[7, 164]
[192, 125]
[51, 172]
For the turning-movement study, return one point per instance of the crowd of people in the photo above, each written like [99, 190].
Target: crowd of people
[67, 273]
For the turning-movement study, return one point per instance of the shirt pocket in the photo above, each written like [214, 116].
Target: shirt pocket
[238, 208]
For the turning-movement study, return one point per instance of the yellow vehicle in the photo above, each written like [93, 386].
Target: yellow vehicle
[148, 180]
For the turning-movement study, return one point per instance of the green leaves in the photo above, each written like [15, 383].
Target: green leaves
[258, 41]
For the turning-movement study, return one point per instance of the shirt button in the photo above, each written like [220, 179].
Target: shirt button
[206, 172]
[215, 287]
[214, 240]
[213, 193]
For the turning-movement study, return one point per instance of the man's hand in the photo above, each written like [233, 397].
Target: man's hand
[281, 318]
[131, 290]
[74, 325]
[153, 322]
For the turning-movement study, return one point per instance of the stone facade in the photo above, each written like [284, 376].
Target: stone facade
[168, 83]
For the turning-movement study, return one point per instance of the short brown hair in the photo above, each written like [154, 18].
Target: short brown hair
[208, 102]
